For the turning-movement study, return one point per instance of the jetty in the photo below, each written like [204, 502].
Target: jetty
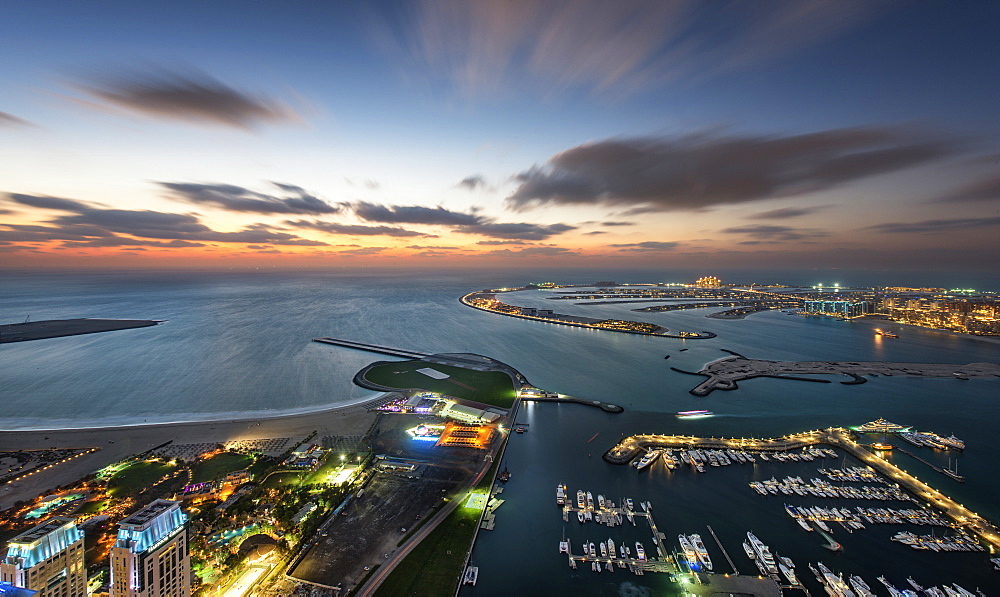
[631, 447]
[388, 350]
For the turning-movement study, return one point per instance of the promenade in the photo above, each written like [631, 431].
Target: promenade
[630, 447]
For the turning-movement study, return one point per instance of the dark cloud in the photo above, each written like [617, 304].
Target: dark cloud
[932, 226]
[647, 246]
[776, 233]
[118, 241]
[87, 222]
[979, 191]
[234, 198]
[533, 251]
[356, 229]
[700, 171]
[473, 182]
[503, 242]
[617, 223]
[11, 120]
[596, 232]
[190, 96]
[786, 212]
[414, 214]
[516, 231]
[362, 251]
[45, 202]
[432, 247]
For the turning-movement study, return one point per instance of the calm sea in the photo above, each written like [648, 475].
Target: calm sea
[238, 342]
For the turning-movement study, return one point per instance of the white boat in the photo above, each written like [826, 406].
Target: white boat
[579, 515]
[803, 524]
[623, 551]
[788, 573]
[640, 553]
[593, 549]
[600, 501]
[560, 494]
[699, 548]
[861, 587]
[763, 553]
[471, 575]
[689, 553]
[892, 590]
[646, 460]
[581, 499]
[629, 504]
[604, 549]
[564, 547]
[611, 548]
[590, 500]
[749, 549]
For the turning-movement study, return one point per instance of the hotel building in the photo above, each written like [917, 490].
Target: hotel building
[150, 556]
[47, 559]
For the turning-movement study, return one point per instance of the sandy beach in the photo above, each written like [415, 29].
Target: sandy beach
[116, 443]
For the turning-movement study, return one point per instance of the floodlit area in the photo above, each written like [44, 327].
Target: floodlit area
[246, 580]
[342, 475]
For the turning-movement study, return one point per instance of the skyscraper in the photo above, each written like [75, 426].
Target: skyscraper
[150, 556]
[47, 559]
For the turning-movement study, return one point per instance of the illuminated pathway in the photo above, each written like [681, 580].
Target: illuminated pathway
[630, 447]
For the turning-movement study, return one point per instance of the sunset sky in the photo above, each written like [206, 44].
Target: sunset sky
[260, 133]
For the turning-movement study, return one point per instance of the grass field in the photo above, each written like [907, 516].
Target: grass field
[488, 387]
[434, 567]
[282, 480]
[219, 466]
[138, 476]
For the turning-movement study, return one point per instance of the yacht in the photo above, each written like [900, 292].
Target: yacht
[580, 499]
[763, 553]
[699, 548]
[788, 572]
[689, 553]
[590, 500]
[560, 494]
[611, 548]
[604, 549]
[564, 547]
[861, 587]
[579, 515]
[640, 553]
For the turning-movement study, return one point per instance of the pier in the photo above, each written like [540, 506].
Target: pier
[394, 352]
[937, 468]
[662, 562]
[605, 406]
[630, 447]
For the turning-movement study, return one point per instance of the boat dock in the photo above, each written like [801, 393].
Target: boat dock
[943, 471]
[394, 352]
[630, 447]
[660, 562]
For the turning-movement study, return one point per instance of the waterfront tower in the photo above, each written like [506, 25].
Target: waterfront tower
[150, 556]
[47, 559]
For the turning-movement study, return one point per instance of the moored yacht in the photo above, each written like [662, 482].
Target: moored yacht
[699, 548]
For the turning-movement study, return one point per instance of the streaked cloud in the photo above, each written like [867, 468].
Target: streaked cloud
[356, 229]
[776, 233]
[11, 120]
[473, 182]
[191, 96]
[295, 200]
[935, 226]
[786, 213]
[516, 231]
[647, 246]
[481, 49]
[984, 190]
[90, 223]
[695, 172]
[414, 214]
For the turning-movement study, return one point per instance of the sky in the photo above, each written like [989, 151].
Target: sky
[448, 134]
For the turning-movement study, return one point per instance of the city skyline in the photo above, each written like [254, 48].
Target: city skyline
[443, 134]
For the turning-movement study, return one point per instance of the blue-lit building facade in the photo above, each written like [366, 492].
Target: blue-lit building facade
[150, 555]
[48, 559]
[836, 308]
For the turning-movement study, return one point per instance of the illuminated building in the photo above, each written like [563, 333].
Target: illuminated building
[708, 282]
[837, 308]
[150, 556]
[467, 414]
[47, 559]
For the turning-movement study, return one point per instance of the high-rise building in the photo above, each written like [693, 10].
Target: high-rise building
[150, 556]
[47, 559]
[708, 282]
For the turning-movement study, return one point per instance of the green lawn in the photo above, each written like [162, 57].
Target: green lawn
[430, 569]
[219, 466]
[95, 507]
[137, 476]
[282, 480]
[488, 387]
